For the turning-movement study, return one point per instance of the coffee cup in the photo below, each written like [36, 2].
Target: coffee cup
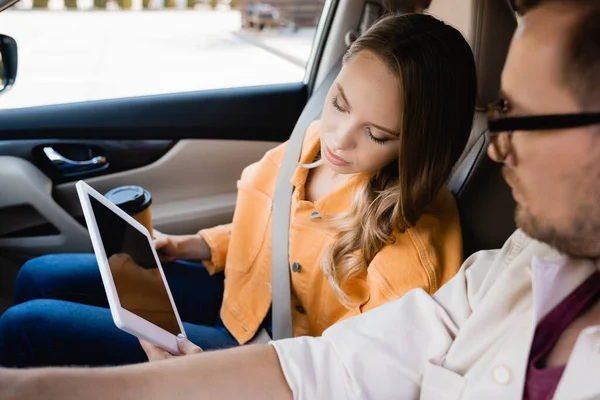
[135, 201]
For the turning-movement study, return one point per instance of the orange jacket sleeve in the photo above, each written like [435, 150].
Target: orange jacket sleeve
[217, 239]
[260, 176]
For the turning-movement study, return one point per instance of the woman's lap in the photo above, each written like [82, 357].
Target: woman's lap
[56, 332]
[61, 316]
[76, 278]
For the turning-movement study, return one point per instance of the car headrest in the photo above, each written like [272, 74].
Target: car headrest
[488, 26]
[484, 200]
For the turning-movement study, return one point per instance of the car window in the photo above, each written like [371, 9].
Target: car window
[79, 50]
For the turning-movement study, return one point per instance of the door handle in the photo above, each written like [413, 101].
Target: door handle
[68, 166]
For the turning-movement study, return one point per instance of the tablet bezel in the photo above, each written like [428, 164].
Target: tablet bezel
[124, 319]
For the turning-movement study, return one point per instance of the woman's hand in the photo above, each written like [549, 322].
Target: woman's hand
[166, 246]
[155, 353]
[180, 247]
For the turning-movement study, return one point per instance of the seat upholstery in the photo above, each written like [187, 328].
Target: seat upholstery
[484, 200]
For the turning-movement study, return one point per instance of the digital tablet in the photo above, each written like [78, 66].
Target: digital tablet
[138, 293]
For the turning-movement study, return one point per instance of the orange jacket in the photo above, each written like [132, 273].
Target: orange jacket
[425, 256]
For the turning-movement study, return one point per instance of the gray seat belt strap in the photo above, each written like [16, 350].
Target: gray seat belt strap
[282, 203]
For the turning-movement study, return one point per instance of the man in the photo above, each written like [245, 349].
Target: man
[503, 328]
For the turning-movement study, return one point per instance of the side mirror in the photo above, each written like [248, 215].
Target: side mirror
[6, 3]
[8, 62]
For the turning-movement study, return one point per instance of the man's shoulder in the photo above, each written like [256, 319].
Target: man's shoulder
[488, 268]
[519, 249]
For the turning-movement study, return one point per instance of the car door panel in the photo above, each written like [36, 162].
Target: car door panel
[121, 155]
[193, 186]
[29, 193]
[187, 149]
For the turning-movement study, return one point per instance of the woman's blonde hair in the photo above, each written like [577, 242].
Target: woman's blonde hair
[436, 72]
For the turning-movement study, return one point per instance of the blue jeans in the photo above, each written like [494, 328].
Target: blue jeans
[61, 316]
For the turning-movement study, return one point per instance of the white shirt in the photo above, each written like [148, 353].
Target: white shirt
[471, 340]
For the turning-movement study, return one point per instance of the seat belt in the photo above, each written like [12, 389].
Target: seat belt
[282, 201]
[282, 204]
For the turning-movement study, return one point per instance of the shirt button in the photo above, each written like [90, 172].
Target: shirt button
[296, 267]
[315, 215]
[300, 309]
[501, 375]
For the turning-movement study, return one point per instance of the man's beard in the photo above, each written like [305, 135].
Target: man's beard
[581, 238]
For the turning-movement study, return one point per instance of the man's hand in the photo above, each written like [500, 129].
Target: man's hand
[155, 353]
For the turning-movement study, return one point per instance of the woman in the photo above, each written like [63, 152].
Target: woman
[371, 217]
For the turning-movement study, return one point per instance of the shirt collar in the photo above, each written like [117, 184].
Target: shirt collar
[554, 277]
[310, 149]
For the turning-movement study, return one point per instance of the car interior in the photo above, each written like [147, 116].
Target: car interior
[206, 138]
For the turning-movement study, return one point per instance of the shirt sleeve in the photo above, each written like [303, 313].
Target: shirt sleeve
[217, 239]
[383, 353]
[370, 356]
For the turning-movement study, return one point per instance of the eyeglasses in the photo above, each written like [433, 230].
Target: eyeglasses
[501, 127]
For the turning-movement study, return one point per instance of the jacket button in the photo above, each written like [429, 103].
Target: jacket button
[296, 267]
[501, 375]
[300, 309]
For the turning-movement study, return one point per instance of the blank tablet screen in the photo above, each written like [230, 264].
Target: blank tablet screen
[140, 286]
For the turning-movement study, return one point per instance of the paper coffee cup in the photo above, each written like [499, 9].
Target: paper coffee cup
[135, 201]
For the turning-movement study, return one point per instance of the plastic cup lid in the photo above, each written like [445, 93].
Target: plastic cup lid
[131, 199]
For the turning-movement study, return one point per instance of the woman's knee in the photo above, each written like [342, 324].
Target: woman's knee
[35, 333]
[19, 319]
[41, 276]
[17, 316]
[54, 332]
[31, 274]
[11, 336]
